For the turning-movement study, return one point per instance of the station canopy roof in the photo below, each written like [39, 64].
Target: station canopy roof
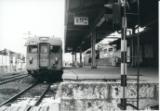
[82, 17]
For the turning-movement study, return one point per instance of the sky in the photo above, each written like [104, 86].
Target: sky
[39, 17]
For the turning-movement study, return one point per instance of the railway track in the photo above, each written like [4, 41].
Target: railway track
[13, 98]
[38, 101]
[13, 78]
[40, 98]
[10, 76]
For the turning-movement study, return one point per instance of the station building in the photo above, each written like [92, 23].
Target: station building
[86, 24]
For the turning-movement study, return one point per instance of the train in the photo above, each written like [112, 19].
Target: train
[44, 58]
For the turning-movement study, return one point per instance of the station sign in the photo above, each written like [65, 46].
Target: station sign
[81, 21]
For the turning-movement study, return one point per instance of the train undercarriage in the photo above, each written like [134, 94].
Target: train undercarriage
[46, 75]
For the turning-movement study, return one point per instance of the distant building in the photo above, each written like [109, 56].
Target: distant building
[11, 61]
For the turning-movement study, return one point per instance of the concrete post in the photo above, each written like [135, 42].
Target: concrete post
[93, 42]
[124, 56]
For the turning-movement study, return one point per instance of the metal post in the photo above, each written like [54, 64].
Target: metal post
[123, 56]
[80, 57]
[10, 61]
[6, 63]
[2, 63]
[2, 60]
[138, 54]
[133, 48]
[93, 42]
[73, 59]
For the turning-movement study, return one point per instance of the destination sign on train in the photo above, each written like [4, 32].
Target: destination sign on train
[81, 21]
[43, 38]
[32, 43]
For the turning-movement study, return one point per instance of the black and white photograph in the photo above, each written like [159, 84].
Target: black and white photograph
[79, 55]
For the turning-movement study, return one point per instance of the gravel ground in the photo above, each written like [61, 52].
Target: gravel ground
[10, 89]
[29, 98]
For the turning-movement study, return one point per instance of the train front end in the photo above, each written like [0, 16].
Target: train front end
[46, 59]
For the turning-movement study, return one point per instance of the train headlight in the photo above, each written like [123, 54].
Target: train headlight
[56, 60]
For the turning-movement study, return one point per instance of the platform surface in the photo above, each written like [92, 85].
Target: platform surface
[109, 73]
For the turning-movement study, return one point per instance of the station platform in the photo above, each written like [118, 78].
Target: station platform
[109, 73]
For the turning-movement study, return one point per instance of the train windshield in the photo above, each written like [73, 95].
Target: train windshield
[32, 49]
[55, 49]
[44, 49]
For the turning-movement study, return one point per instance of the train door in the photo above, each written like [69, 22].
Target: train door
[43, 55]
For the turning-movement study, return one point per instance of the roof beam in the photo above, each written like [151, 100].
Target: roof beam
[85, 10]
[72, 28]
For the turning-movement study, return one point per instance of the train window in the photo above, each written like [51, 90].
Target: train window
[32, 49]
[55, 48]
[105, 50]
[44, 49]
[110, 49]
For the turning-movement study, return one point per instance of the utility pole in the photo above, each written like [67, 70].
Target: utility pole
[123, 55]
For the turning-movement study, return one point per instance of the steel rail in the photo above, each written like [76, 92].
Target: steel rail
[41, 97]
[12, 76]
[13, 79]
[17, 95]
